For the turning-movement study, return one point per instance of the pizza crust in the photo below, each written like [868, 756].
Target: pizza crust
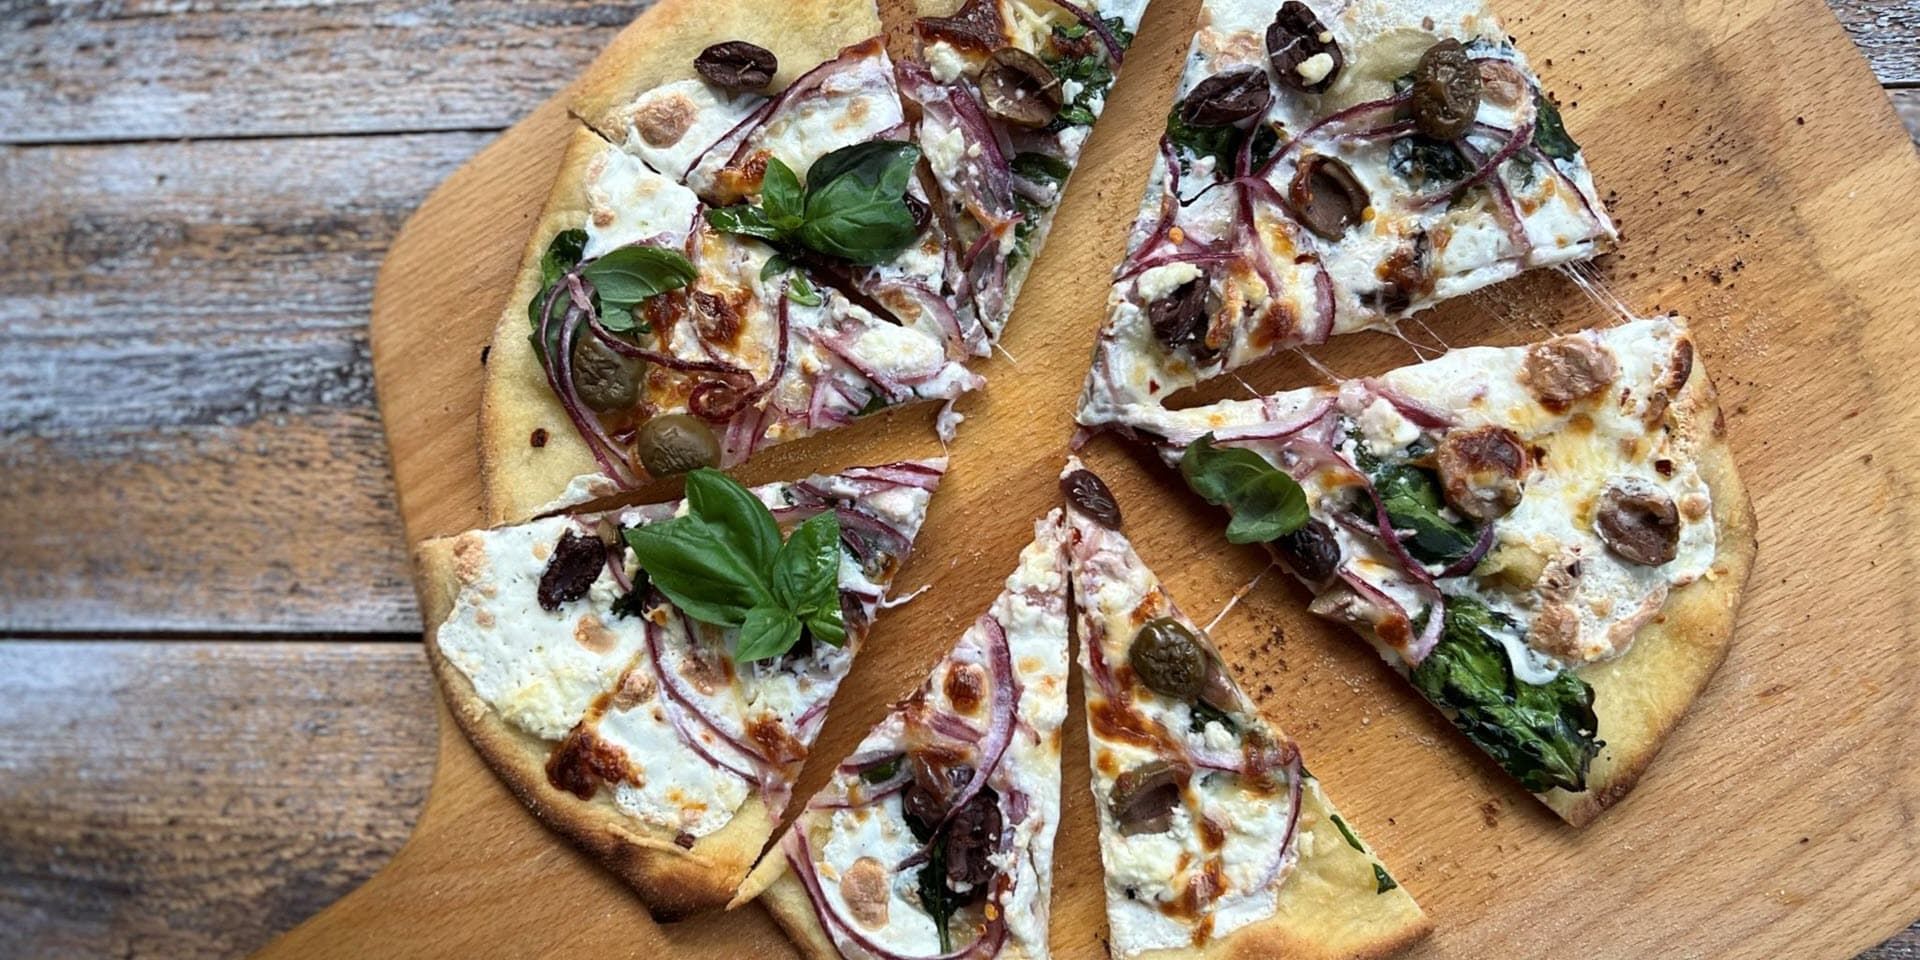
[672, 882]
[659, 48]
[516, 476]
[1641, 697]
[1328, 907]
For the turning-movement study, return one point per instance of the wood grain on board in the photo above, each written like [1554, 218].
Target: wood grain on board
[290, 470]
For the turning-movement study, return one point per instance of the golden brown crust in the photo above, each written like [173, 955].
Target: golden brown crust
[517, 474]
[660, 47]
[1641, 697]
[672, 882]
[1328, 909]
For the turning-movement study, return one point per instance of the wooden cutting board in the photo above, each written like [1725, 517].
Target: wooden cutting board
[1765, 189]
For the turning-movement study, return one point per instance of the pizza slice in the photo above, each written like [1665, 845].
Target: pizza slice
[1333, 167]
[774, 164]
[1216, 840]
[1008, 91]
[648, 680]
[935, 837]
[641, 341]
[1549, 541]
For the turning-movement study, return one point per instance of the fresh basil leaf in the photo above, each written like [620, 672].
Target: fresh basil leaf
[745, 219]
[1412, 499]
[806, 574]
[766, 633]
[1544, 735]
[856, 202]
[1549, 132]
[1265, 502]
[1041, 168]
[563, 253]
[1347, 832]
[634, 602]
[689, 561]
[781, 197]
[1382, 882]
[936, 899]
[800, 290]
[776, 265]
[739, 520]
[1221, 143]
[629, 276]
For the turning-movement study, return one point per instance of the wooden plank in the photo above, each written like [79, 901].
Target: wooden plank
[184, 382]
[1888, 32]
[194, 799]
[1794, 275]
[235, 68]
[1907, 104]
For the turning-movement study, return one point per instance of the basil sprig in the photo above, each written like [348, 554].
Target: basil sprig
[853, 206]
[622, 279]
[723, 563]
[1265, 502]
[1541, 734]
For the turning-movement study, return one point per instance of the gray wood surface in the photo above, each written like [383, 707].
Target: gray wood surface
[196, 199]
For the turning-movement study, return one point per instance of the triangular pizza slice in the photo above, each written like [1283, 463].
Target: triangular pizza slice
[935, 837]
[1328, 167]
[649, 679]
[642, 341]
[1008, 92]
[1216, 840]
[1549, 541]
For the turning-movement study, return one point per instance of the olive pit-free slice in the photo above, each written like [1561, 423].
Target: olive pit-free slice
[1018, 87]
[1326, 195]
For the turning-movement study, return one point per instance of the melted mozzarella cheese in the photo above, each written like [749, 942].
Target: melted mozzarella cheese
[628, 202]
[539, 669]
[672, 126]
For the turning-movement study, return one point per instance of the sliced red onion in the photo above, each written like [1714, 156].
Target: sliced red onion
[1430, 633]
[1284, 852]
[1342, 116]
[999, 732]
[799, 855]
[1599, 220]
[1417, 412]
[804, 85]
[1465, 564]
[905, 473]
[984, 179]
[1488, 167]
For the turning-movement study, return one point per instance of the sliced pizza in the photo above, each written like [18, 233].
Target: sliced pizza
[642, 341]
[934, 839]
[1216, 840]
[1008, 92]
[1333, 167]
[649, 679]
[1549, 541]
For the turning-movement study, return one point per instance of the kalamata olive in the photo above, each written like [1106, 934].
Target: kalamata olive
[1565, 369]
[1169, 659]
[1089, 495]
[1481, 469]
[972, 836]
[1180, 318]
[1311, 552]
[1227, 98]
[1302, 50]
[1142, 799]
[1327, 196]
[1017, 87]
[934, 786]
[1446, 91]
[1638, 521]
[675, 443]
[604, 380]
[737, 66]
[575, 564]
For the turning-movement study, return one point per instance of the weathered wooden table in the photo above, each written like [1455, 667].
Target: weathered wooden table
[214, 717]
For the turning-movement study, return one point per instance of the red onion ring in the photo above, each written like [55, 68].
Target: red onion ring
[1358, 109]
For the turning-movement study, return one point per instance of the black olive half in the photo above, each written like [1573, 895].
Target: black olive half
[1017, 87]
[737, 66]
